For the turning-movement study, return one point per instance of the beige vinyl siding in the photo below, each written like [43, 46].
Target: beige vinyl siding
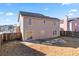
[40, 30]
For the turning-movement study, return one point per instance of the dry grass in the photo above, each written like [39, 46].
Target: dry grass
[14, 48]
[71, 48]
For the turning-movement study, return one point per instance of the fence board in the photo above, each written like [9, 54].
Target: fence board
[69, 33]
[9, 36]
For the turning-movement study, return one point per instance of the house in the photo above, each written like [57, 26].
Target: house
[74, 24]
[17, 29]
[71, 24]
[7, 28]
[37, 26]
[64, 25]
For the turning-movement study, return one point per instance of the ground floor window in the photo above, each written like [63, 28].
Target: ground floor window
[54, 32]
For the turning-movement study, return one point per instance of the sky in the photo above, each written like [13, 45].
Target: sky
[9, 11]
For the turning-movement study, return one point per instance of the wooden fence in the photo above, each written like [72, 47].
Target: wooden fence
[9, 36]
[69, 34]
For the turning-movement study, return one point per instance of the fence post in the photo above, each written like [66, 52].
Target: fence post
[0, 40]
[6, 36]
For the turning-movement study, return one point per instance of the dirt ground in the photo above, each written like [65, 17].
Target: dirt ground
[14, 48]
[18, 48]
[70, 48]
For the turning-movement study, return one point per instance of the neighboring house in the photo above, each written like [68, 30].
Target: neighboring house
[74, 24]
[69, 24]
[64, 26]
[37, 26]
[17, 29]
[7, 28]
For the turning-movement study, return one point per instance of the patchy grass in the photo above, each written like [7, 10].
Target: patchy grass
[55, 50]
[18, 48]
[71, 48]
[14, 48]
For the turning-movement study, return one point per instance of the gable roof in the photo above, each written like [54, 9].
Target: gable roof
[36, 15]
[73, 19]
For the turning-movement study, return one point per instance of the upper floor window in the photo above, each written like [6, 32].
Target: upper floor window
[30, 23]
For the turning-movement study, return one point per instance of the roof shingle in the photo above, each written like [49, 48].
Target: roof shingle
[36, 15]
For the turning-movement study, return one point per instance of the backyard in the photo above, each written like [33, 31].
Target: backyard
[19, 48]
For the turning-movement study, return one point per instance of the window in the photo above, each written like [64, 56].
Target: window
[44, 21]
[30, 21]
[54, 32]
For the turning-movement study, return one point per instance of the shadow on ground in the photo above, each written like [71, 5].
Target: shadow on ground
[70, 42]
[19, 50]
